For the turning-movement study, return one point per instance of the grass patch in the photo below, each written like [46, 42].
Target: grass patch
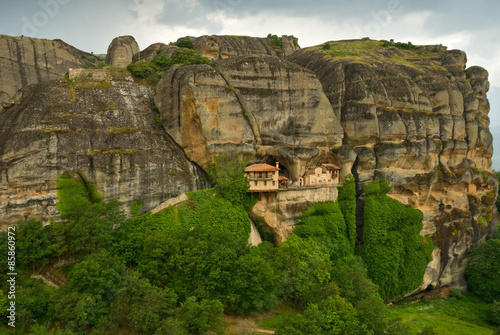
[466, 315]
[11, 37]
[369, 50]
[275, 319]
[112, 105]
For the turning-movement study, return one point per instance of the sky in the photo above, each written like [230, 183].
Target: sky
[90, 25]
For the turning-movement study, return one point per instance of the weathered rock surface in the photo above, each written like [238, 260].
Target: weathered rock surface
[25, 61]
[256, 105]
[102, 128]
[121, 50]
[420, 120]
[225, 46]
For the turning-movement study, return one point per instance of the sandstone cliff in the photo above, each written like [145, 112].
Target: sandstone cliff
[225, 46]
[25, 61]
[101, 125]
[418, 118]
[256, 105]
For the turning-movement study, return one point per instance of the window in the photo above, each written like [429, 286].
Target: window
[265, 183]
[255, 183]
[274, 183]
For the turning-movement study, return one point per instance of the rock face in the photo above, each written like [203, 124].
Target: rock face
[25, 61]
[256, 105]
[103, 128]
[281, 211]
[221, 47]
[121, 51]
[419, 119]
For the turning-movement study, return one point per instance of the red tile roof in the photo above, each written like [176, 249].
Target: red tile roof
[331, 166]
[261, 168]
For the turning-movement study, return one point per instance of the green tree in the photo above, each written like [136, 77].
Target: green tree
[31, 243]
[33, 301]
[97, 274]
[227, 173]
[352, 278]
[92, 228]
[78, 311]
[255, 284]
[198, 317]
[335, 315]
[140, 306]
[483, 270]
[303, 263]
[494, 313]
[171, 326]
[57, 238]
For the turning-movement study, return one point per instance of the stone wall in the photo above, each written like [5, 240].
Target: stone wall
[282, 210]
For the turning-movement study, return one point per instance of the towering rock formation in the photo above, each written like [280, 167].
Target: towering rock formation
[100, 125]
[418, 118]
[121, 50]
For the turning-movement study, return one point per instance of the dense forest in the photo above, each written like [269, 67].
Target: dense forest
[181, 270]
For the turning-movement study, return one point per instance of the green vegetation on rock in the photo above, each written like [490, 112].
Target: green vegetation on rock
[393, 250]
[153, 71]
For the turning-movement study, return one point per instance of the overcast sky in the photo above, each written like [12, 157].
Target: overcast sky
[90, 25]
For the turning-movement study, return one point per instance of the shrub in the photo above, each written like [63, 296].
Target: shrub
[135, 207]
[228, 176]
[483, 270]
[456, 293]
[141, 69]
[275, 41]
[494, 313]
[185, 43]
[154, 70]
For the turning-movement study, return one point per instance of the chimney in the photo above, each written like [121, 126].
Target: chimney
[277, 164]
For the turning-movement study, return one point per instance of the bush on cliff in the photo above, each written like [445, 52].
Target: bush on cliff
[325, 224]
[393, 250]
[154, 70]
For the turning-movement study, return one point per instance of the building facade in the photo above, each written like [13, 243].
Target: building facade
[324, 174]
[263, 177]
